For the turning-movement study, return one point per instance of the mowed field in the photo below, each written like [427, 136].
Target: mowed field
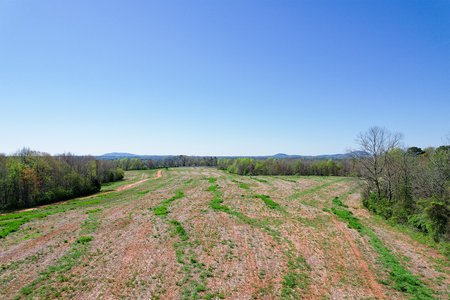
[200, 233]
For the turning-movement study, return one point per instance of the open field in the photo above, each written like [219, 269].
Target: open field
[200, 233]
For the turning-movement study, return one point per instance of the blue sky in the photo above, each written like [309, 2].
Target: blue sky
[221, 77]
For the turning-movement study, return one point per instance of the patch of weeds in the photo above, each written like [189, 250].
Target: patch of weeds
[93, 211]
[269, 202]
[338, 202]
[163, 208]
[296, 278]
[195, 272]
[84, 239]
[347, 216]
[241, 184]
[142, 193]
[179, 230]
[218, 295]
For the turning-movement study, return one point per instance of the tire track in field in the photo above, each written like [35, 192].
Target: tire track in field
[366, 273]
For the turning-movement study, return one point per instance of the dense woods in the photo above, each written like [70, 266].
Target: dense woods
[31, 178]
[272, 166]
[170, 162]
[409, 186]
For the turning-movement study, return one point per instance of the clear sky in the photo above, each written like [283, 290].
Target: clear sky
[221, 77]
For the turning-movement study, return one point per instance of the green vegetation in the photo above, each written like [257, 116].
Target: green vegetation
[295, 279]
[269, 202]
[12, 222]
[400, 278]
[243, 186]
[408, 186]
[32, 178]
[195, 273]
[179, 230]
[169, 162]
[163, 208]
[272, 166]
[44, 286]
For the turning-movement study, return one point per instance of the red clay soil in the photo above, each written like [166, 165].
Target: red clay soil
[134, 184]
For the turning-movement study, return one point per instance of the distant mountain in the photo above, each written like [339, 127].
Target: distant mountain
[280, 155]
[114, 155]
[119, 155]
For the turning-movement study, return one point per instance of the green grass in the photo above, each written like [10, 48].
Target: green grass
[195, 273]
[12, 222]
[241, 184]
[347, 216]
[259, 179]
[338, 202]
[400, 278]
[269, 202]
[295, 279]
[84, 239]
[163, 208]
[179, 230]
[47, 284]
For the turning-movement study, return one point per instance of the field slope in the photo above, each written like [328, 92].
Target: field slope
[200, 233]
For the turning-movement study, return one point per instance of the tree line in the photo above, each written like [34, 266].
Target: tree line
[407, 185]
[29, 178]
[273, 166]
[169, 162]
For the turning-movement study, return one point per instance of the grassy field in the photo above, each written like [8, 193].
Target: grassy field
[200, 233]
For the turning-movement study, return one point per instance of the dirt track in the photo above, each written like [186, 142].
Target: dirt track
[132, 185]
[248, 251]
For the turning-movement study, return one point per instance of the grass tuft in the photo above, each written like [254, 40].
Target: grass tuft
[269, 202]
[163, 208]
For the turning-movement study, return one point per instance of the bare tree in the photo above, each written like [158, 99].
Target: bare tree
[376, 143]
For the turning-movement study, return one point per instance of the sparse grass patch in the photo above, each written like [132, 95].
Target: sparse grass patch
[179, 230]
[259, 179]
[84, 239]
[316, 188]
[47, 284]
[163, 208]
[269, 202]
